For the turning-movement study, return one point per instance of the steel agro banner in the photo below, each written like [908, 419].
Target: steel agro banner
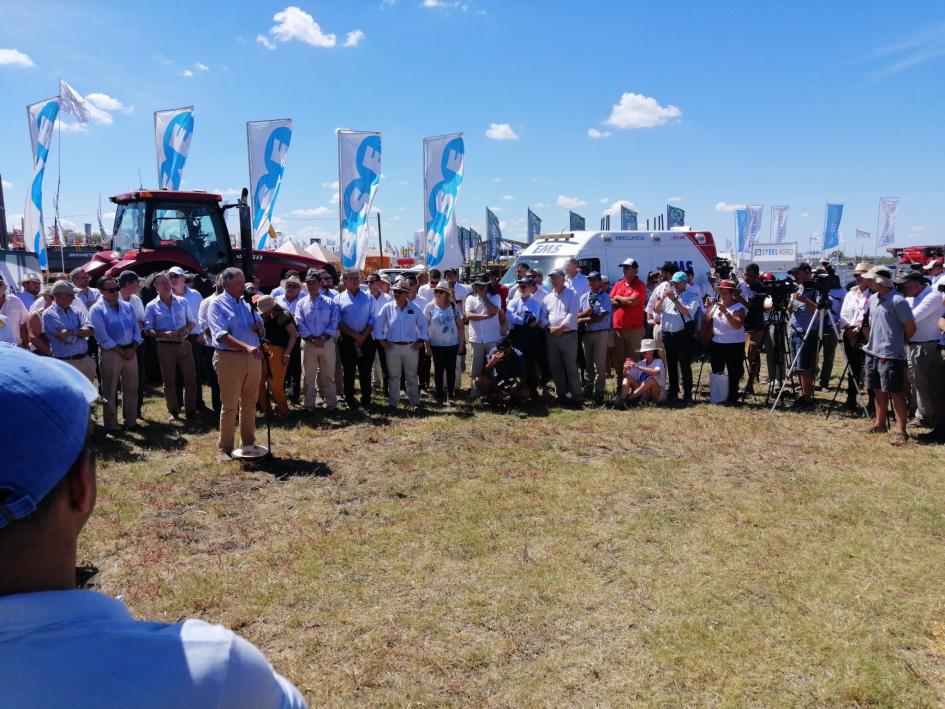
[576, 222]
[888, 211]
[755, 215]
[42, 117]
[444, 159]
[359, 173]
[779, 223]
[741, 222]
[675, 216]
[832, 217]
[493, 237]
[267, 143]
[628, 219]
[534, 226]
[172, 132]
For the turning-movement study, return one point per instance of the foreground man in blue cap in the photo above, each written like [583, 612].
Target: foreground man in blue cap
[64, 647]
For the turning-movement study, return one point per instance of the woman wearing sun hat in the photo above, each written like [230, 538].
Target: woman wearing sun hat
[728, 337]
[281, 337]
[445, 322]
[645, 379]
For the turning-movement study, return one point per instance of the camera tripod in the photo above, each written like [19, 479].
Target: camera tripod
[779, 339]
[823, 314]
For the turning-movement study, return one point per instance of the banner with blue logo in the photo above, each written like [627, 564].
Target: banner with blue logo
[741, 221]
[359, 173]
[576, 222]
[753, 219]
[493, 237]
[779, 223]
[268, 145]
[173, 130]
[444, 158]
[42, 117]
[628, 219]
[534, 226]
[832, 217]
[675, 216]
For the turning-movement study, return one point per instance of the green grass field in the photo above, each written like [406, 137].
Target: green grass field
[705, 556]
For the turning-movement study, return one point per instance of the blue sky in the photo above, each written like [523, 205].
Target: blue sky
[708, 104]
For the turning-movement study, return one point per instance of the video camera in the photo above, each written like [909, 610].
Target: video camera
[780, 291]
[722, 267]
[825, 280]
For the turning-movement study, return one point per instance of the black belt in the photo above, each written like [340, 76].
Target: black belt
[404, 343]
[74, 357]
[126, 347]
[168, 342]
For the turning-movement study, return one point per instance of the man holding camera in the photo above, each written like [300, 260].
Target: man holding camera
[925, 365]
[680, 308]
[891, 326]
[804, 349]
[504, 373]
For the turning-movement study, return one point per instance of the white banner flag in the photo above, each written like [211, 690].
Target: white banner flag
[72, 102]
[268, 145]
[172, 132]
[443, 160]
[779, 223]
[888, 210]
[42, 119]
[862, 234]
[755, 213]
[359, 173]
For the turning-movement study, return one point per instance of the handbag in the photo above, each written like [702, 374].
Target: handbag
[718, 388]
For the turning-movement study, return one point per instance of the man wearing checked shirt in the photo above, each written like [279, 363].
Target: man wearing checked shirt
[401, 330]
[69, 329]
[119, 336]
[234, 334]
[317, 320]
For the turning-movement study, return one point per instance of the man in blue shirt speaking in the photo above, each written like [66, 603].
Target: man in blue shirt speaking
[63, 647]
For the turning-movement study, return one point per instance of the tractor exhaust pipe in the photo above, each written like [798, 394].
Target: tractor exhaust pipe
[246, 236]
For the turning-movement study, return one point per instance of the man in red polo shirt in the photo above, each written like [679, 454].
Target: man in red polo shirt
[628, 297]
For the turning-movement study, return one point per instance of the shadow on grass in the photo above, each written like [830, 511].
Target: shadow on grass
[285, 468]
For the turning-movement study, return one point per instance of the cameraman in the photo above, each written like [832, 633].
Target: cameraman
[804, 350]
[750, 295]
[828, 284]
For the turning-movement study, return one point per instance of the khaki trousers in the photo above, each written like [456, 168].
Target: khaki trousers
[318, 366]
[116, 368]
[238, 374]
[170, 356]
[403, 358]
[626, 344]
[277, 369]
[86, 365]
[595, 358]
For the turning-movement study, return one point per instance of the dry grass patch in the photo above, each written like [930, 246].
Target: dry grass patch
[701, 556]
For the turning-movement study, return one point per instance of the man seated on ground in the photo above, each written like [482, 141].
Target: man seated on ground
[63, 647]
[504, 373]
[645, 379]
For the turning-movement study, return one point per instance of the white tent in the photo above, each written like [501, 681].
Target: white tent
[290, 247]
[317, 251]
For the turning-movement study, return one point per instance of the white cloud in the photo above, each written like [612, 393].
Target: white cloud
[804, 215]
[14, 57]
[540, 205]
[333, 199]
[917, 230]
[508, 197]
[187, 73]
[316, 212]
[570, 202]
[201, 67]
[72, 127]
[7, 184]
[497, 179]
[228, 192]
[403, 182]
[495, 209]
[503, 224]
[501, 131]
[295, 23]
[105, 102]
[594, 133]
[673, 200]
[614, 209]
[639, 111]
[604, 200]
[330, 185]
[264, 41]
[353, 39]
[726, 207]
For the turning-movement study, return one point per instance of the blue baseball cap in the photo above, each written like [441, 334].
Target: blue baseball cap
[44, 426]
[679, 277]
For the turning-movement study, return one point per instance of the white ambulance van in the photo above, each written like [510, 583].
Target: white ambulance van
[604, 251]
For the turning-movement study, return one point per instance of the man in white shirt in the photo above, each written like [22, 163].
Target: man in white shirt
[485, 322]
[574, 279]
[653, 315]
[925, 365]
[17, 314]
[935, 271]
[563, 307]
[30, 285]
[856, 304]
[195, 337]
[64, 647]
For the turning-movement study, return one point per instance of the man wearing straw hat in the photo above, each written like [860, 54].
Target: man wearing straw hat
[401, 330]
[856, 304]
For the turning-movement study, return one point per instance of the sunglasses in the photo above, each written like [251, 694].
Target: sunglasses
[172, 276]
[109, 290]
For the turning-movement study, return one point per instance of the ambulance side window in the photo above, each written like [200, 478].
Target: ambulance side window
[589, 264]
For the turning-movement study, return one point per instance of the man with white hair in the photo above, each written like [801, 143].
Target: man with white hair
[69, 329]
[891, 326]
[16, 315]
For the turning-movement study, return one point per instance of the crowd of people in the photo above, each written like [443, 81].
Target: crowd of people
[565, 336]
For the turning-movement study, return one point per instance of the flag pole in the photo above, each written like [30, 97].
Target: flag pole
[878, 210]
[59, 235]
[380, 244]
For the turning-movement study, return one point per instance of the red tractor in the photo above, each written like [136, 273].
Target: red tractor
[157, 229]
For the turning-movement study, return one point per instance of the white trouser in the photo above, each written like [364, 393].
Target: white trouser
[403, 359]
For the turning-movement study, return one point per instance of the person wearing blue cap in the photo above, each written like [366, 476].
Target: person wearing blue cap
[595, 317]
[64, 647]
[680, 307]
